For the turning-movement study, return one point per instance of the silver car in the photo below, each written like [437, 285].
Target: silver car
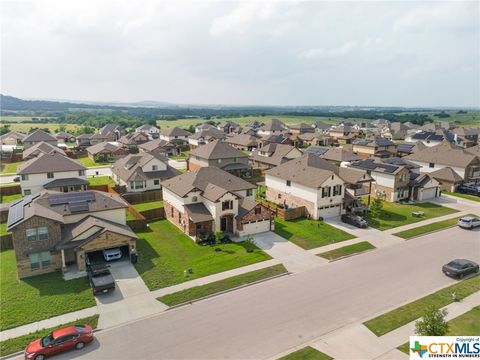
[469, 222]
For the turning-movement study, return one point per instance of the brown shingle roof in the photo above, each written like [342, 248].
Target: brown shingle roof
[217, 150]
[446, 174]
[42, 148]
[242, 140]
[340, 154]
[198, 212]
[103, 147]
[156, 144]
[444, 153]
[278, 151]
[39, 135]
[176, 131]
[53, 162]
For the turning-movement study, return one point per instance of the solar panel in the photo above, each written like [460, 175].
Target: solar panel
[66, 198]
[15, 213]
[78, 206]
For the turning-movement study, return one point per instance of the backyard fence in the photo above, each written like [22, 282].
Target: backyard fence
[148, 196]
[11, 190]
[6, 242]
[154, 214]
[290, 214]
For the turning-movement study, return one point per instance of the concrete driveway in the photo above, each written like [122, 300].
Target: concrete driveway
[130, 301]
[293, 257]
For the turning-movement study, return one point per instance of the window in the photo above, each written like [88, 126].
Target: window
[132, 185]
[138, 184]
[194, 199]
[326, 191]
[172, 213]
[81, 172]
[235, 160]
[34, 261]
[154, 167]
[49, 175]
[45, 258]
[249, 192]
[31, 234]
[42, 233]
[227, 205]
[431, 165]
[289, 183]
[279, 196]
[258, 210]
[24, 177]
[27, 192]
[337, 190]
[156, 182]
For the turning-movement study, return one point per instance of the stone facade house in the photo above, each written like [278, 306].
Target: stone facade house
[210, 199]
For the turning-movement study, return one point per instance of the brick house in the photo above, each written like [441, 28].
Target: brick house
[52, 231]
[210, 199]
[272, 155]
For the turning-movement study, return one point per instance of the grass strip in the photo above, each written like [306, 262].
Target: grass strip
[198, 292]
[307, 353]
[412, 311]
[347, 250]
[463, 196]
[13, 345]
[425, 229]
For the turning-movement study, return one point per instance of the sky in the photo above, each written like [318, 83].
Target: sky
[367, 53]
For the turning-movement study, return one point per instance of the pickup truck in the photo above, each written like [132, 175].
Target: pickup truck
[100, 278]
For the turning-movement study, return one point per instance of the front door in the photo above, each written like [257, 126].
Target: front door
[223, 224]
[226, 223]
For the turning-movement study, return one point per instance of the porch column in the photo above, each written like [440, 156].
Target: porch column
[64, 266]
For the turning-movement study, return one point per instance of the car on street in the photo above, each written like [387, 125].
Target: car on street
[354, 220]
[469, 222]
[100, 278]
[59, 341]
[459, 268]
[16, 179]
[112, 254]
[470, 189]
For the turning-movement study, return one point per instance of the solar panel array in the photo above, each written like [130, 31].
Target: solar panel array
[68, 198]
[78, 206]
[15, 211]
[372, 165]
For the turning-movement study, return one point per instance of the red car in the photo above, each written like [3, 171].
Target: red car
[58, 341]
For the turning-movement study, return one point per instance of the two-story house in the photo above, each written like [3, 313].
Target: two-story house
[228, 127]
[175, 135]
[272, 127]
[39, 136]
[105, 152]
[243, 142]
[376, 146]
[132, 140]
[151, 131]
[272, 155]
[112, 132]
[51, 171]
[205, 136]
[298, 129]
[52, 230]
[210, 199]
[445, 154]
[344, 134]
[167, 148]
[142, 172]
[41, 148]
[219, 154]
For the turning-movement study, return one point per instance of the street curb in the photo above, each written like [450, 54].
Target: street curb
[224, 291]
[347, 256]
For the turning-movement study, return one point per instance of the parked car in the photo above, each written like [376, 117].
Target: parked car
[471, 189]
[459, 268]
[112, 254]
[100, 278]
[16, 179]
[58, 341]
[469, 222]
[354, 220]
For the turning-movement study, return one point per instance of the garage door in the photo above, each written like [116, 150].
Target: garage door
[329, 212]
[429, 193]
[256, 227]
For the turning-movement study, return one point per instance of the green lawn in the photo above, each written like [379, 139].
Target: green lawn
[4, 185]
[439, 225]
[347, 250]
[9, 168]
[396, 214]
[89, 163]
[38, 297]
[463, 196]
[148, 205]
[165, 252]
[5, 199]
[13, 345]
[129, 216]
[3, 229]
[403, 315]
[307, 353]
[310, 234]
[467, 324]
[101, 180]
[182, 156]
[198, 292]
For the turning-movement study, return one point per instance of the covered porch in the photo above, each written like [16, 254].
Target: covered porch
[200, 221]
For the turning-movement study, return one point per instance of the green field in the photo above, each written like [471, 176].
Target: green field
[25, 127]
[347, 250]
[307, 353]
[198, 292]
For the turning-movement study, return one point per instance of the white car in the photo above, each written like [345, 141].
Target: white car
[112, 254]
[469, 222]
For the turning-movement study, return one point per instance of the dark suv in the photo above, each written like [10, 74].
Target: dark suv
[354, 220]
[471, 189]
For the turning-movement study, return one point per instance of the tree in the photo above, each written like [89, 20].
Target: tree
[376, 206]
[432, 323]
[4, 129]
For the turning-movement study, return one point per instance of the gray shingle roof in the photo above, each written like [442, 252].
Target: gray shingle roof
[53, 162]
[444, 153]
[176, 131]
[39, 135]
[42, 148]
[217, 150]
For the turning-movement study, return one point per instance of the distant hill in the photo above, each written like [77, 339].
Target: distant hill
[13, 103]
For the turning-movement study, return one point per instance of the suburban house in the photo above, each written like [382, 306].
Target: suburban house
[302, 128]
[210, 199]
[447, 178]
[41, 148]
[314, 183]
[376, 146]
[218, 154]
[337, 155]
[243, 142]
[275, 139]
[53, 231]
[322, 127]
[84, 140]
[315, 139]
[469, 135]
[132, 140]
[228, 127]
[64, 137]
[272, 127]
[151, 131]
[175, 135]
[37, 137]
[161, 146]
[142, 172]
[344, 134]
[204, 126]
[51, 171]
[445, 154]
[394, 131]
[272, 155]
[432, 138]
[112, 132]
[205, 136]
[12, 138]
[105, 152]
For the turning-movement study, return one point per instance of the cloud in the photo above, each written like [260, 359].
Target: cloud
[318, 53]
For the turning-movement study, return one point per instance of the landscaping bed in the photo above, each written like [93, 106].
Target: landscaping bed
[347, 250]
[38, 297]
[310, 234]
[425, 229]
[148, 205]
[307, 353]
[13, 345]
[165, 253]
[403, 315]
[395, 214]
[463, 196]
[198, 292]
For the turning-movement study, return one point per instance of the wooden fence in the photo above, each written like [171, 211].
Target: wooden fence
[290, 214]
[154, 214]
[148, 196]
[11, 190]
[3, 214]
[6, 242]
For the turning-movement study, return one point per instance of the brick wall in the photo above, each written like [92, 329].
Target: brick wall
[265, 214]
[177, 217]
[193, 166]
[290, 200]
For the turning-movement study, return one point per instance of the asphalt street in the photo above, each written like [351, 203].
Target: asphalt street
[263, 320]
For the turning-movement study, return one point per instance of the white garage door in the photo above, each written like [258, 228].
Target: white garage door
[256, 227]
[330, 211]
[429, 193]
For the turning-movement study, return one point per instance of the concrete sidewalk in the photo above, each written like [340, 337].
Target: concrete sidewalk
[458, 203]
